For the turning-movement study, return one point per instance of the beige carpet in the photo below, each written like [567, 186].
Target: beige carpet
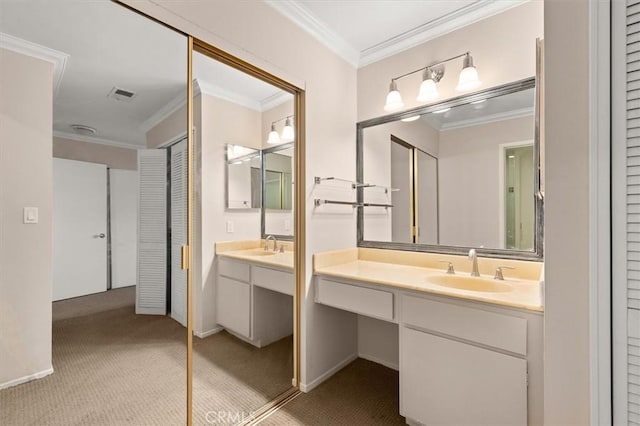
[113, 367]
[363, 393]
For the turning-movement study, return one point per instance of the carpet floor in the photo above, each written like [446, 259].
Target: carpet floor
[113, 367]
[362, 393]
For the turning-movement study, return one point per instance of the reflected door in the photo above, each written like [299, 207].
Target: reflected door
[401, 179]
[519, 198]
[178, 231]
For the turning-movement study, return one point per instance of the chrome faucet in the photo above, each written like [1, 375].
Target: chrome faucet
[266, 243]
[473, 257]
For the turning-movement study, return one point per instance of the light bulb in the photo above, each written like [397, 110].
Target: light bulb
[287, 132]
[468, 79]
[394, 100]
[428, 90]
[274, 137]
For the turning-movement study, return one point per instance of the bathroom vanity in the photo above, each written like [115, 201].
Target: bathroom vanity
[254, 291]
[470, 348]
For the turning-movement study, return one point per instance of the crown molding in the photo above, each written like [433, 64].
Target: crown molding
[93, 139]
[467, 15]
[274, 100]
[300, 16]
[227, 95]
[169, 108]
[24, 47]
[457, 19]
[492, 118]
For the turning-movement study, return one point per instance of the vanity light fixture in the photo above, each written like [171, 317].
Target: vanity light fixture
[287, 135]
[468, 76]
[431, 75]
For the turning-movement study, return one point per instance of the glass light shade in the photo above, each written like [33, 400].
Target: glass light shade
[428, 91]
[287, 132]
[468, 79]
[274, 137]
[394, 100]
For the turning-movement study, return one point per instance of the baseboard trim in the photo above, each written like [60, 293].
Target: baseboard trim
[379, 361]
[208, 333]
[307, 387]
[25, 379]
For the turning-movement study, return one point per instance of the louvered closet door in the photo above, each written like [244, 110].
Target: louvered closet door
[151, 289]
[630, 352]
[178, 231]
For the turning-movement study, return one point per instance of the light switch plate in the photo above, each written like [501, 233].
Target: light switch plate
[229, 227]
[287, 225]
[30, 215]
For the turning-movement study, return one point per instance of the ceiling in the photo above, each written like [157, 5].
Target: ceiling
[99, 45]
[364, 31]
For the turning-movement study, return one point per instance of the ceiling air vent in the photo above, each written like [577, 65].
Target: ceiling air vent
[121, 95]
[81, 129]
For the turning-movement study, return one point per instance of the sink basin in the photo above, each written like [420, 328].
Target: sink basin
[259, 252]
[471, 283]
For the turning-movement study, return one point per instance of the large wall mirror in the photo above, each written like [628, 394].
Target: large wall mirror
[461, 174]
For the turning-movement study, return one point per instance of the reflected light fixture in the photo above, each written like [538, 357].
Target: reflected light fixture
[468, 79]
[287, 135]
[431, 75]
[274, 137]
[287, 132]
[441, 111]
[410, 119]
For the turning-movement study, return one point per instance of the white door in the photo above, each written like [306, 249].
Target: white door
[79, 228]
[178, 231]
[123, 196]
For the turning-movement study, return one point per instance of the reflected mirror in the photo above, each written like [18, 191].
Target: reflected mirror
[278, 191]
[244, 177]
[463, 173]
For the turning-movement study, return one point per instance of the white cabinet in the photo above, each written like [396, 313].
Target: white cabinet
[233, 305]
[255, 303]
[460, 365]
[447, 382]
[361, 300]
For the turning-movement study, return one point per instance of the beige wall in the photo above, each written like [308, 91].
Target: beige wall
[503, 48]
[220, 122]
[566, 380]
[25, 250]
[113, 156]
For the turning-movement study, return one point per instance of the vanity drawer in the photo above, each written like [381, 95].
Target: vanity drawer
[361, 300]
[236, 270]
[279, 281]
[487, 328]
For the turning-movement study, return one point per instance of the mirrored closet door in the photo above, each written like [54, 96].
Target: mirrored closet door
[243, 280]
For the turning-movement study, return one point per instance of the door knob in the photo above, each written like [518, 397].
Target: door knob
[101, 235]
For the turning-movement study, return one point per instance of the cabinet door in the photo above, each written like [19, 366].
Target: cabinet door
[446, 382]
[233, 305]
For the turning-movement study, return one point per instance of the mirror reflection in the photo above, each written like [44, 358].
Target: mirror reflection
[243, 289]
[454, 176]
[244, 178]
